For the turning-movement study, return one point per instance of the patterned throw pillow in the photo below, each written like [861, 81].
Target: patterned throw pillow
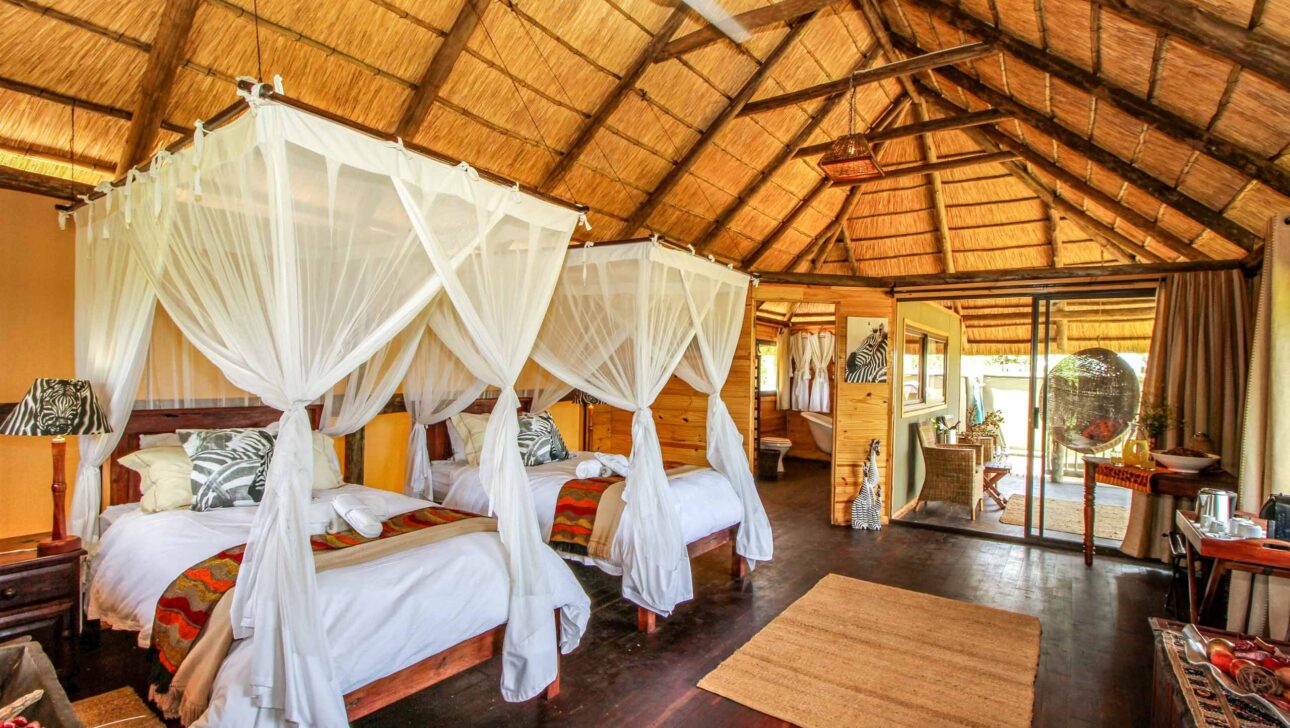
[540, 440]
[228, 465]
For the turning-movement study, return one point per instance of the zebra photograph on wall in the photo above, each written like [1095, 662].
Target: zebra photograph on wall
[867, 342]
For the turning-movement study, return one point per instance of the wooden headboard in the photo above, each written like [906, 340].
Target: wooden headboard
[125, 482]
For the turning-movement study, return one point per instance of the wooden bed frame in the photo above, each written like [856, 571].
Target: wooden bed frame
[124, 488]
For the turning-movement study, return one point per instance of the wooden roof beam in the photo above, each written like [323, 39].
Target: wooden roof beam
[913, 170]
[1258, 52]
[1165, 192]
[976, 118]
[1077, 183]
[40, 184]
[615, 98]
[781, 12]
[640, 217]
[436, 74]
[895, 69]
[1055, 235]
[753, 259]
[80, 104]
[785, 155]
[1238, 157]
[158, 80]
[937, 195]
[997, 276]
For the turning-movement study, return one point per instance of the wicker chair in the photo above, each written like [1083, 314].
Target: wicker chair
[952, 473]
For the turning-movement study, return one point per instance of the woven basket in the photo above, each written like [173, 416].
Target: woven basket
[850, 159]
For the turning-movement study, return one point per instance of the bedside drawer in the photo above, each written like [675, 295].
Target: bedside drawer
[36, 584]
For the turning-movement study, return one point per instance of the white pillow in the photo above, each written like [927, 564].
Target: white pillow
[326, 464]
[455, 441]
[163, 439]
[471, 430]
[166, 475]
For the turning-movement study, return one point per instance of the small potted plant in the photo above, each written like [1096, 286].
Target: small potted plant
[947, 430]
[1156, 419]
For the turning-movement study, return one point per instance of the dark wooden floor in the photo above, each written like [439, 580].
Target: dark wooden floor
[1094, 670]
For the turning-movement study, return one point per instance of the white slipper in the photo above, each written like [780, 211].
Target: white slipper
[357, 515]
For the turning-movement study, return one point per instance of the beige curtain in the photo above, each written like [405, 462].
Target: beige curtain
[1261, 605]
[1197, 365]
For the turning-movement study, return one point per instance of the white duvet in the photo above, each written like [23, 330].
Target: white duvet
[704, 498]
[380, 616]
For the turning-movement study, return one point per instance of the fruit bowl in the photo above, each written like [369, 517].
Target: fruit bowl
[1183, 463]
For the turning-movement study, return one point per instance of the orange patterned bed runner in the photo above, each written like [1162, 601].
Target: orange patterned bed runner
[187, 604]
[575, 513]
[1126, 476]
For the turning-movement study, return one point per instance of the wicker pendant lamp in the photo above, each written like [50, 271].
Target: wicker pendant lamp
[850, 159]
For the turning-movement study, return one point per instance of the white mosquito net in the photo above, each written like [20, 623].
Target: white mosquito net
[290, 251]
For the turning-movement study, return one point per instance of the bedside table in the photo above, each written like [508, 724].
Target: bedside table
[41, 596]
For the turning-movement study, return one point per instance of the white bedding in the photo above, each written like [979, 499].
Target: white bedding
[703, 498]
[380, 616]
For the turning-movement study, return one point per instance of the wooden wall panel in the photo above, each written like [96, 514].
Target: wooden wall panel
[774, 422]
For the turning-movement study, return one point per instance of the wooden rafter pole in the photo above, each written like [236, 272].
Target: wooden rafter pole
[1238, 157]
[1077, 184]
[158, 80]
[976, 118]
[914, 170]
[785, 155]
[890, 116]
[1055, 236]
[895, 69]
[436, 74]
[40, 184]
[1259, 52]
[640, 217]
[80, 104]
[615, 98]
[850, 251]
[997, 276]
[781, 12]
[937, 195]
[1165, 192]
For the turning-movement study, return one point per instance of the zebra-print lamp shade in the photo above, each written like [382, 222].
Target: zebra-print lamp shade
[57, 407]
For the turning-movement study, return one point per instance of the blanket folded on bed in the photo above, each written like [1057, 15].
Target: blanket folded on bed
[588, 510]
[192, 630]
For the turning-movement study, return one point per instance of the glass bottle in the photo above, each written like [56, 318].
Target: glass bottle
[1137, 448]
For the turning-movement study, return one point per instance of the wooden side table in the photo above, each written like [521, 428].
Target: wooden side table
[1255, 555]
[994, 472]
[41, 595]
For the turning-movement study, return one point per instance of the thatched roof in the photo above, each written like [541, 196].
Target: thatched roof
[1140, 127]
[1003, 325]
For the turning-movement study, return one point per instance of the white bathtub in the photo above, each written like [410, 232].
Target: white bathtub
[821, 430]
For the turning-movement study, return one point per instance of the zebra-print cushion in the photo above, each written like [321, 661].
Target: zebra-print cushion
[228, 465]
[540, 441]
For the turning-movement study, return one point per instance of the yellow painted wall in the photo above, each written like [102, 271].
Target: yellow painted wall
[36, 282]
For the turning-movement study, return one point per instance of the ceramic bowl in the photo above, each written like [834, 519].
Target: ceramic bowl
[1182, 463]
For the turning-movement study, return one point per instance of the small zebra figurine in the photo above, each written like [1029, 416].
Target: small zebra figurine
[866, 508]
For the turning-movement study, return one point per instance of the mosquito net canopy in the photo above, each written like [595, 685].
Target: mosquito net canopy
[295, 253]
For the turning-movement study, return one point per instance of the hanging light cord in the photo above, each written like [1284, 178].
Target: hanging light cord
[569, 100]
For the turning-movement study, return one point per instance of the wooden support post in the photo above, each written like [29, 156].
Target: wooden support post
[175, 20]
[355, 448]
[611, 102]
[450, 49]
[738, 564]
[640, 217]
[646, 621]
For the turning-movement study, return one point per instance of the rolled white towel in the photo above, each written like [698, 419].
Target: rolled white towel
[617, 464]
[591, 469]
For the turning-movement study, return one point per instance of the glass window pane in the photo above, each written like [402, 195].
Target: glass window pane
[911, 371]
[768, 379]
[935, 370]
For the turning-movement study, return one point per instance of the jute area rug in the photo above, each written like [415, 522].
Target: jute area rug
[1068, 517]
[121, 708]
[854, 653]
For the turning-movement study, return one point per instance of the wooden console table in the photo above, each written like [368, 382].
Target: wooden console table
[1255, 555]
[1158, 481]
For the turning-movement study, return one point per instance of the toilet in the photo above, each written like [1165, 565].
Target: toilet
[778, 444]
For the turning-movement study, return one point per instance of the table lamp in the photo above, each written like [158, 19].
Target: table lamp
[57, 408]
